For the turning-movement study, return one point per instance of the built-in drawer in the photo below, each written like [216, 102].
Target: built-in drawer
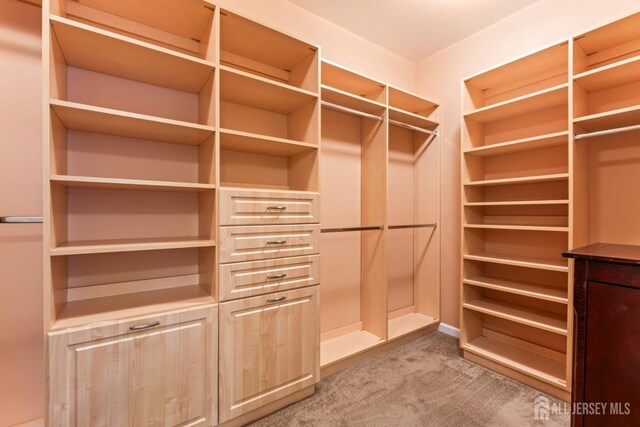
[242, 207]
[265, 242]
[247, 279]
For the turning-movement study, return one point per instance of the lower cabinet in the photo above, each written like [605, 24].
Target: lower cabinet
[156, 370]
[269, 349]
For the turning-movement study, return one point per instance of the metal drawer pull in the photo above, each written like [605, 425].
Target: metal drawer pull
[144, 326]
[277, 276]
[276, 208]
[277, 299]
[20, 219]
[276, 242]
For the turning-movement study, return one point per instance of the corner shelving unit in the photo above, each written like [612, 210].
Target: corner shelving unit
[131, 180]
[516, 207]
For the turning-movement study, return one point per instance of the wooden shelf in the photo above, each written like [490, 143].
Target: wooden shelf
[345, 99]
[520, 180]
[407, 324]
[555, 139]
[609, 76]
[347, 345]
[520, 359]
[411, 119]
[527, 316]
[610, 119]
[262, 144]
[340, 78]
[112, 308]
[540, 100]
[128, 184]
[254, 91]
[402, 100]
[517, 227]
[520, 203]
[520, 261]
[87, 118]
[94, 49]
[532, 290]
[129, 245]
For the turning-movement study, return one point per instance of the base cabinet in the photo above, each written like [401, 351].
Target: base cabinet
[151, 371]
[269, 347]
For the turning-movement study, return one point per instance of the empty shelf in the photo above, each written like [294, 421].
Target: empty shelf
[519, 203]
[536, 101]
[406, 101]
[336, 76]
[532, 290]
[518, 227]
[261, 144]
[346, 99]
[87, 118]
[526, 361]
[408, 323]
[128, 184]
[411, 119]
[84, 312]
[129, 245]
[527, 316]
[247, 89]
[612, 75]
[94, 49]
[521, 261]
[520, 180]
[346, 345]
[610, 119]
[555, 139]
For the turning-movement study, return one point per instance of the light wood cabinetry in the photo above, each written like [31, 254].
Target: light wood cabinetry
[141, 371]
[242, 207]
[268, 349]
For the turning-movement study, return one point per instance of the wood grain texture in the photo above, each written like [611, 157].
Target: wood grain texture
[238, 207]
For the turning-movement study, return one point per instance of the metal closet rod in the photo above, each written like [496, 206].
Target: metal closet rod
[20, 219]
[351, 111]
[416, 128]
[607, 132]
[341, 230]
[395, 227]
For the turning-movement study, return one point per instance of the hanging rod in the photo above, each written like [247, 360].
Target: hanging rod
[395, 227]
[351, 111]
[20, 219]
[416, 128]
[607, 132]
[341, 230]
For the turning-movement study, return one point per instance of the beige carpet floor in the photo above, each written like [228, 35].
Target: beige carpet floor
[423, 383]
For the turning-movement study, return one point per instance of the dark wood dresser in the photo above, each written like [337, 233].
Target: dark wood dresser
[606, 368]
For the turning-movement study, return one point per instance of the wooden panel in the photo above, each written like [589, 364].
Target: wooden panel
[238, 207]
[108, 375]
[234, 140]
[344, 79]
[269, 349]
[256, 242]
[247, 279]
[345, 99]
[128, 184]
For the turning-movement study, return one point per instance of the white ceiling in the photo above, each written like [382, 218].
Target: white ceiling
[413, 28]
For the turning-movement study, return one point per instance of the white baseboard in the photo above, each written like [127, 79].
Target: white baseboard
[449, 330]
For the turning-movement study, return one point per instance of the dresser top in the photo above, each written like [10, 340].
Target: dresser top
[607, 252]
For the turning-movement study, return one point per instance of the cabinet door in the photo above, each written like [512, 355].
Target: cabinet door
[268, 349]
[162, 376]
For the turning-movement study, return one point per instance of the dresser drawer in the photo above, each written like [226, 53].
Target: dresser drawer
[241, 207]
[278, 241]
[247, 279]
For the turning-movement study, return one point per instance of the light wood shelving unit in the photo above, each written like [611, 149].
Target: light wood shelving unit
[516, 219]
[381, 283]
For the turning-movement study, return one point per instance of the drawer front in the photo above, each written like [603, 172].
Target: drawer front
[269, 349]
[247, 279]
[258, 243]
[238, 207]
[110, 375]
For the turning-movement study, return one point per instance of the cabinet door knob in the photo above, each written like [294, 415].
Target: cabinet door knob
[144, 326]
[276, 242]
[276, 208]
[277, 276]
[277, 299]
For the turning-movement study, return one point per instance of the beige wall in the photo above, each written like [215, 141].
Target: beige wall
[338, 44]
[439, 77]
